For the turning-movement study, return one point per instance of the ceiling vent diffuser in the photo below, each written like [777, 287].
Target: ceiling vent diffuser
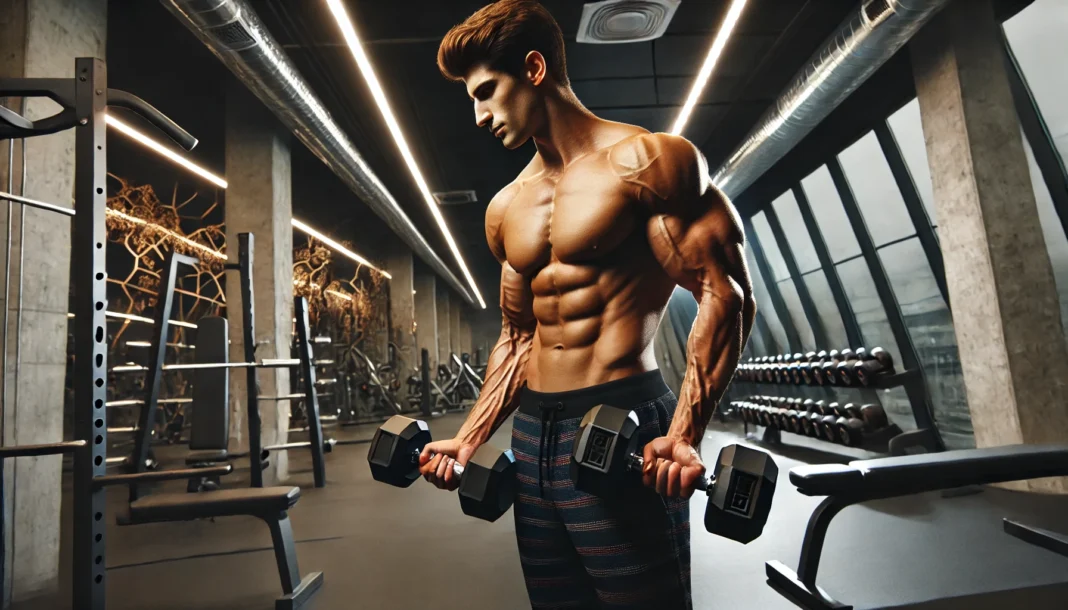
[615, 21]
[455, 197]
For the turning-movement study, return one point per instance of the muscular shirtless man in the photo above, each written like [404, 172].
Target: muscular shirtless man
[592, 238]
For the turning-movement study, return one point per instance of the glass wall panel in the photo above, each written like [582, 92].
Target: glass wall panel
[876, 190]
[820, 289]
[907, 130]
[797, 314]
[930, 326]
[763, 302]
[830, 215]
[770, 246]
[796, 232]
[860, 290]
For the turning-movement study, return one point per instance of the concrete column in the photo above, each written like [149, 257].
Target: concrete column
[1005, 307]
[259, 201]
[400, 265]
[444, 324]
[426, 315]
[38, 38]
[454, 324]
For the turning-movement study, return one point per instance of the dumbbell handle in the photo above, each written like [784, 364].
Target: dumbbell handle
[636, 463]
[457, 469]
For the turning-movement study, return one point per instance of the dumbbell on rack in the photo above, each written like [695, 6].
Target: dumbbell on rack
[875, 364]
[828, 372]
[606, 460]
[846, 368]
[859, 421]
[487, 483]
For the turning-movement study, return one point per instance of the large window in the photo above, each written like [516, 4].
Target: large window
[1037, 37]
[783, 282]
[876, 191]
[906, 126]
[764, 305]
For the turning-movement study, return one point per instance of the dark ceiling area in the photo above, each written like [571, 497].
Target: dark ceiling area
[642, 83]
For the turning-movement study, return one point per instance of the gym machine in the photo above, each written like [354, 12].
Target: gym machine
[84, 100]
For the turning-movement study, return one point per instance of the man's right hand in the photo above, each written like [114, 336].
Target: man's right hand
[437, 460]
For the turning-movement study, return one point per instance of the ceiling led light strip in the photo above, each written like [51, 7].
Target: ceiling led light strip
[166, 152]
[337, 246]
[367, 70]
[711, 59]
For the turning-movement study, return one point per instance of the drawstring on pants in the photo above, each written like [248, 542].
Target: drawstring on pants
[548, 437]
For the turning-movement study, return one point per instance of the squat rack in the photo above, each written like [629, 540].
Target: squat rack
[84, 100]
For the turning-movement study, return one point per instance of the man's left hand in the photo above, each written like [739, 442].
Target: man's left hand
[672, 467]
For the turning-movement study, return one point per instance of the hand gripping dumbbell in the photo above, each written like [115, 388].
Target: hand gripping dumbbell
[487, 483]
[875, 364]
[607, 460]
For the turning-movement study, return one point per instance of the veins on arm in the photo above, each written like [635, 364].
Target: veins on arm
[695, 234]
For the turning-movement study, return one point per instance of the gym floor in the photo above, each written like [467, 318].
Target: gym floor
[384, 548]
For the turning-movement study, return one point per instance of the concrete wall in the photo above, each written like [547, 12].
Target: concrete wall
[259, 201]
[39, 38]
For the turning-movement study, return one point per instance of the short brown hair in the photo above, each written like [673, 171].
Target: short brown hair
[501, 34]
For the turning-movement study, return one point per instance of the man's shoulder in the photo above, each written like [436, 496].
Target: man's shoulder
[647, 150]
[666, 167]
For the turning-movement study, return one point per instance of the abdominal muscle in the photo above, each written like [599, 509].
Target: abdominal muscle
[595, 324]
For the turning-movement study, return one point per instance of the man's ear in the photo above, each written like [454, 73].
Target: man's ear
[535, 68]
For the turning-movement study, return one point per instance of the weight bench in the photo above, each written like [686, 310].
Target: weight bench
[860, 481]
[268, 503]
[210, 433]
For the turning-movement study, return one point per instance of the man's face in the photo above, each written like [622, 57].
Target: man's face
[504, 104]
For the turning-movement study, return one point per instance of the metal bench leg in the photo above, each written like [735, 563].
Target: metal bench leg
[297, 591]
[801, 587]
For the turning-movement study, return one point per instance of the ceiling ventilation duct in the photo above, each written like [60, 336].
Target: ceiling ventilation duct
[869, 36]
[235, 34]
[615, 21]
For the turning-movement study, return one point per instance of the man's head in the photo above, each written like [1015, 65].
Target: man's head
[509, 54]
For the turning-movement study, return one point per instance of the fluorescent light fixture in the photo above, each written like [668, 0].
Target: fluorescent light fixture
[158, 147]
[367, 70]
[185, 240]
[341, 295]
[718, 43]
[138, 344]
[133, 318]
[337, 247]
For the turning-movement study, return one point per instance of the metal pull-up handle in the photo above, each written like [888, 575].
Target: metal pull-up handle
[124, 99]
[61, 91]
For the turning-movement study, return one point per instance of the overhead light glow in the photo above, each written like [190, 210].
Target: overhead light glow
[718, 43]
[337, 247]
[158, 147]
[185, 240]
[367, 70]
[341, 295]
[133, 318]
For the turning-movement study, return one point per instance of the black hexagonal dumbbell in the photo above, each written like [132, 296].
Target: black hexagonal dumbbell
[606, 460]
[487, 484]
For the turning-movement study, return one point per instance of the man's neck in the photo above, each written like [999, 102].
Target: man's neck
[568, 130]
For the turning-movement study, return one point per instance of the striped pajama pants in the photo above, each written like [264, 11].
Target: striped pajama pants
[577, 550]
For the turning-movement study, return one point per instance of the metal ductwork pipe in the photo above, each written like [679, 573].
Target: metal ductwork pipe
[861, 45]
[235, 34]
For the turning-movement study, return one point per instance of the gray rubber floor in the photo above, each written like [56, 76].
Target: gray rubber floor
[387, 548]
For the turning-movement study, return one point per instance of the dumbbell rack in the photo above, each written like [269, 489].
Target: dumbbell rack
[892, 440]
